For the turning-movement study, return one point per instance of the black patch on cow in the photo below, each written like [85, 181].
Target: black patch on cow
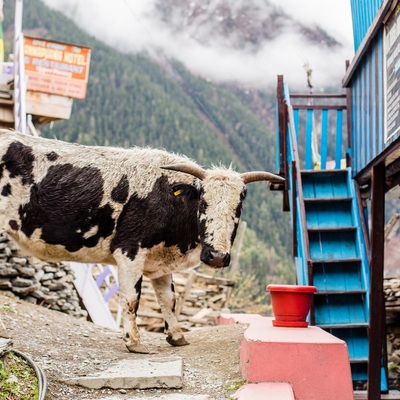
[162, 216]
[238, 213]
[202, 210]
[173, 298]
[65, 204]
[138, 288]
[18, 160]
[52, 156]
[13, 225]
[6, 191]
[120, 193]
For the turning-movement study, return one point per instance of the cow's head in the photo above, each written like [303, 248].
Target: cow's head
[222, 194]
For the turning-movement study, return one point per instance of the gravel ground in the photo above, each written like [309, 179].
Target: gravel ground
[64, 346]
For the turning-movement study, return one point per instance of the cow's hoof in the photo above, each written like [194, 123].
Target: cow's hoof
[177, 342]
[137, 348]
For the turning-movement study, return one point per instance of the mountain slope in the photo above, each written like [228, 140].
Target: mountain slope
[134, 101]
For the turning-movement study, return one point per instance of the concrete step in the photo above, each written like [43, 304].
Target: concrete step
[135, 374]
[265, 391]
[313, 362]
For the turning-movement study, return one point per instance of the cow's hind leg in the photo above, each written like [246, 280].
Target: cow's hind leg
[164, 289]
[130, 285]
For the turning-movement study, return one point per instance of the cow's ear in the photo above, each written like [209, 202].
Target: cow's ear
[184, 190]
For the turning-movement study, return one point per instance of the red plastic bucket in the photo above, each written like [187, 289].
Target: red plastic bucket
[291, 304]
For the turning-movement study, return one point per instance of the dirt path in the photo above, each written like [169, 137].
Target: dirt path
[64, 346]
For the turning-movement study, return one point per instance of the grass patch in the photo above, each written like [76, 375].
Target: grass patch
[18, 380]
[233, 386]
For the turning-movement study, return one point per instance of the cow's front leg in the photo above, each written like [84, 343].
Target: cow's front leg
[164, 289]
[130, 285]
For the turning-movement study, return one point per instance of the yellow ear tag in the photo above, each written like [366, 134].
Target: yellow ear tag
[178, 192]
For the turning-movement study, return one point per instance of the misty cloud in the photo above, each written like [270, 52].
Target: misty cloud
[133, 26]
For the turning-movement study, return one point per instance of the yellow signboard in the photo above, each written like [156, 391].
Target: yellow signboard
[56, 67]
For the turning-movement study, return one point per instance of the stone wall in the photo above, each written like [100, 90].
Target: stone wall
[392, 303]
[47, 284]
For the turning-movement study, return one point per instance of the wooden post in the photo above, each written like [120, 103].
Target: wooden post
[236, 255]
[235, 262]
[377, 296]
[181, 300]
[282, 129]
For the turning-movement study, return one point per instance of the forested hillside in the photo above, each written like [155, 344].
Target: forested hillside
[133, 100]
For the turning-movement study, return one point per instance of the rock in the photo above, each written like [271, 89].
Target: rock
[18, 260]
[59, 274]
[39, 275]
[54, 286]
[40, 295]
[50, 268]
[47, 276]
[8, 272]
[23, 291]
[22, 282]
[28, 272]
[67, 306]
[5, 284]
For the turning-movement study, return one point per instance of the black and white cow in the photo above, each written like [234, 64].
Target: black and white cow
[148, 211]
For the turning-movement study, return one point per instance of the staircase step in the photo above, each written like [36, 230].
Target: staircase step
[363, 360]
[328, 214]
[359, 372]
[330, 327]
[337, 276]
[325, 184]
[337, 230]
[338, 292]
[265, 390]
[345, 309]
[327, 200]
[332, 246]
[356, 338]
[363, 395]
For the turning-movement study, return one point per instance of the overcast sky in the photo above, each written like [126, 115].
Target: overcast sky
[131, 26]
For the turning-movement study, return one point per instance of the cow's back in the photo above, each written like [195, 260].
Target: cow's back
[62, 201]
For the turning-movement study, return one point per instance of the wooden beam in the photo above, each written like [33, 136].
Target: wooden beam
[349, 114]
[319, 107]
[294, 210]
[377, 318]
[282, 131]
[387, 156]
[317, 96]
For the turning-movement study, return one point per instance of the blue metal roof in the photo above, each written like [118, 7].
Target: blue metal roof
[363, 13]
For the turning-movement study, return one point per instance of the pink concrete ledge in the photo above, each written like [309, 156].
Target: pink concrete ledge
[313, 362]
[265, 391]
[245, 319]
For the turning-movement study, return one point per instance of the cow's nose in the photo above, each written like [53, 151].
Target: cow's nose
[219, 260]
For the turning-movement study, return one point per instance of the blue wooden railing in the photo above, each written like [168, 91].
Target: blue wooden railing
[311, 134]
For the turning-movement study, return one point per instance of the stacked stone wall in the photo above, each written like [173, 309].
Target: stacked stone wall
[47, 284]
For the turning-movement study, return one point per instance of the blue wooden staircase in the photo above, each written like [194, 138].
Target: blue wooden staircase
[329, 233]
[339, 267]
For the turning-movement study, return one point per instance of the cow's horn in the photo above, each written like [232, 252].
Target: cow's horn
[255, 176]
[191, 169]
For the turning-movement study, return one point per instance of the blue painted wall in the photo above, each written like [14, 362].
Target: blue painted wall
[368, 91]
[363, 13]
